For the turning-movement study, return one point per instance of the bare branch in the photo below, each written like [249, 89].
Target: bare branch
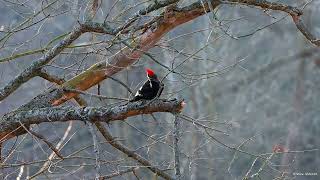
[268, 5]
[129, 152]
[12, 120]
[303, 29]
[293, 11]
[51, 78]
[119, 173]
[95, 95]
[96, 150]
[176, 136]
[51, 146]
[32, 70]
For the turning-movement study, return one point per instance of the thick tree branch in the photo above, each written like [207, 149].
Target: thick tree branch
[12, 121]
[96, 114]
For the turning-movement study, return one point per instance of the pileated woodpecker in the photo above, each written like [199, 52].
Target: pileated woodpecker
[150, 89]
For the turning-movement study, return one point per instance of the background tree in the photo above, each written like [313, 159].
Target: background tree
[246, 69]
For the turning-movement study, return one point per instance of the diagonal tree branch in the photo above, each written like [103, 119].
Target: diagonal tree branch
[31, 71]
[51, 146]
[129, 152]
[304, 30]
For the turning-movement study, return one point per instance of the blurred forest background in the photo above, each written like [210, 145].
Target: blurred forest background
[249, 73]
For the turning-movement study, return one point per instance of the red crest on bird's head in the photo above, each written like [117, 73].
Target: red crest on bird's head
[150, 73]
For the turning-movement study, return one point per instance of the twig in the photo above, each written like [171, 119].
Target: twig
[176, 137]
[122, 83]
[119, 173]
[96, 150]
[59, 146]
[51, 146]
[130, 153]
[93, 95]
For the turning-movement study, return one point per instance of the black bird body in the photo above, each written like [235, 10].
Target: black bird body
[150, 89]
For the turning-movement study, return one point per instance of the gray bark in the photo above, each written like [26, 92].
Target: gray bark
[12, 121]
